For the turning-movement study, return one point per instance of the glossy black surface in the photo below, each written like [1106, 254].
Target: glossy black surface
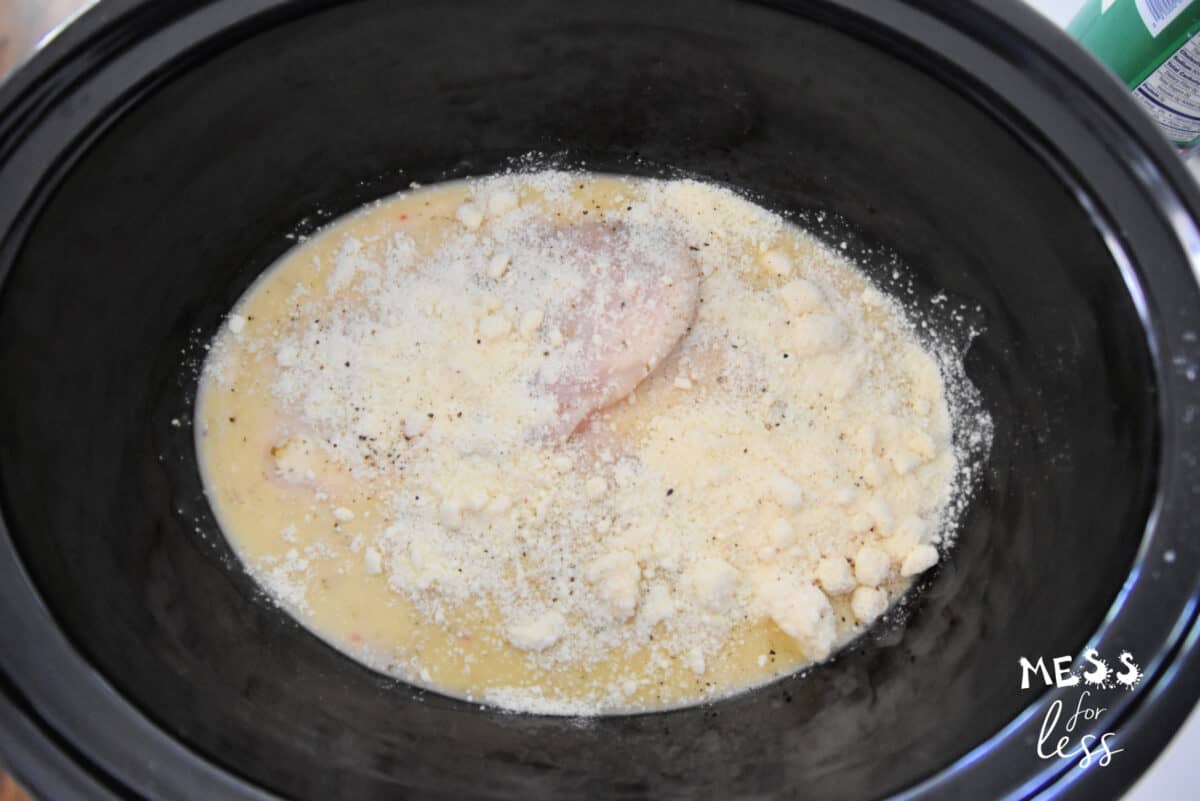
[131, 246]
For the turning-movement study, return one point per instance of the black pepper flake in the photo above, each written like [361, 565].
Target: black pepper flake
[670, 492]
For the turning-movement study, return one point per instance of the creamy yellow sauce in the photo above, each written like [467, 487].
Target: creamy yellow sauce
[307, 540]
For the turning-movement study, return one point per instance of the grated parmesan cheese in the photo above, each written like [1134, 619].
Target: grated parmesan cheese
[783, 462]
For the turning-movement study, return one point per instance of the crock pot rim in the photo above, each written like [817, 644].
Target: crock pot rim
[88, 46]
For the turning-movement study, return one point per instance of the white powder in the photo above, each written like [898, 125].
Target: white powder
[785, 438]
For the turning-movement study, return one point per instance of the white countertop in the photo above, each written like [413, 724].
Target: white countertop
[1172, 777]
[1060, 11]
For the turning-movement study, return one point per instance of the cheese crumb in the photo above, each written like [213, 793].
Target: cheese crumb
[237, 323]
[451, 515]
[815, 334]
[538, 633]
[714, 582]
[501, 202]
[469, 215]
[905, 461]
[868, 603]
[874, 473]
[531, 321]
[658, 606]
[343, 514]
[836, 576]
[801, 297]
[498, 266]
[872, 297]
[373, 561]
[786, 491]
[871, 566]
[595, 488]
[919, 559]
[477, 500]
[499, 505]
[921, 444]
[783, 534]
[803, 613]
[881, 515]
[616, 577]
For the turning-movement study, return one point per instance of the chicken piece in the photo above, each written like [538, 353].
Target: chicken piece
[641, 298]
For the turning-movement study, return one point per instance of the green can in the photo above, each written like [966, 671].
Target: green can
[1149, 44]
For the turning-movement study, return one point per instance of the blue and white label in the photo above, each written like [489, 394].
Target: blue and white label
[1171, 94]
[1158, 14]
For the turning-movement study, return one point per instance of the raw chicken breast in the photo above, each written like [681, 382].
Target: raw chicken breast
[641, 298]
